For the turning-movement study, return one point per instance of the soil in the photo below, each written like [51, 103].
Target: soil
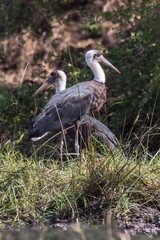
[141, 220]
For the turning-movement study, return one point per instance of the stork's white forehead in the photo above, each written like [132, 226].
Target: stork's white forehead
[61, 74]
[90, 53]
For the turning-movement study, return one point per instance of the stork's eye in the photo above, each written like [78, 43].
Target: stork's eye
[98, 54]
[54, 74]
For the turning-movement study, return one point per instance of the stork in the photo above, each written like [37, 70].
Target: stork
[99, 131]
[70, 105]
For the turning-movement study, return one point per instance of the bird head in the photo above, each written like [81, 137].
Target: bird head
[56, 78]
[94, 55]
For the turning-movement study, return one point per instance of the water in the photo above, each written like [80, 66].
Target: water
[74, 232]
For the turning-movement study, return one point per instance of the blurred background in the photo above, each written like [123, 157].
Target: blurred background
[38, 36]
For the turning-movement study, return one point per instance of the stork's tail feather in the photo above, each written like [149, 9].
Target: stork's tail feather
[35, 134]
[37, 131]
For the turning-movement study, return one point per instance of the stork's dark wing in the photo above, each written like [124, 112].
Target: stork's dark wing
[91, 126]
[63, 108]
[101, 132]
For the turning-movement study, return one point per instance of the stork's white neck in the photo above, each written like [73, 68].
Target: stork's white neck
[98, 72]
[60, 85]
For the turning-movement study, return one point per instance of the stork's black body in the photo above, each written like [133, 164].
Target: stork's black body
[69, 106]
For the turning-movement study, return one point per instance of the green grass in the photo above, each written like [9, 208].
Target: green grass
[33, 189]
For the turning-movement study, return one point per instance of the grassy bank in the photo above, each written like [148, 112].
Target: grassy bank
[35, 189]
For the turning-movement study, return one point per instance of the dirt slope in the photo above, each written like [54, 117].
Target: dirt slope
[36, 54]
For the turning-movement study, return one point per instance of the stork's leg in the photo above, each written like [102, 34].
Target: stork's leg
[89, 136]
[61, 148]
[76, 143]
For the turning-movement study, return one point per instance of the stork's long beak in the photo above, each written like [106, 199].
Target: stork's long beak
[44, 86]
[106, 62]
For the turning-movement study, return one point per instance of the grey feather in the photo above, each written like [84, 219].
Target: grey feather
[63, 108]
